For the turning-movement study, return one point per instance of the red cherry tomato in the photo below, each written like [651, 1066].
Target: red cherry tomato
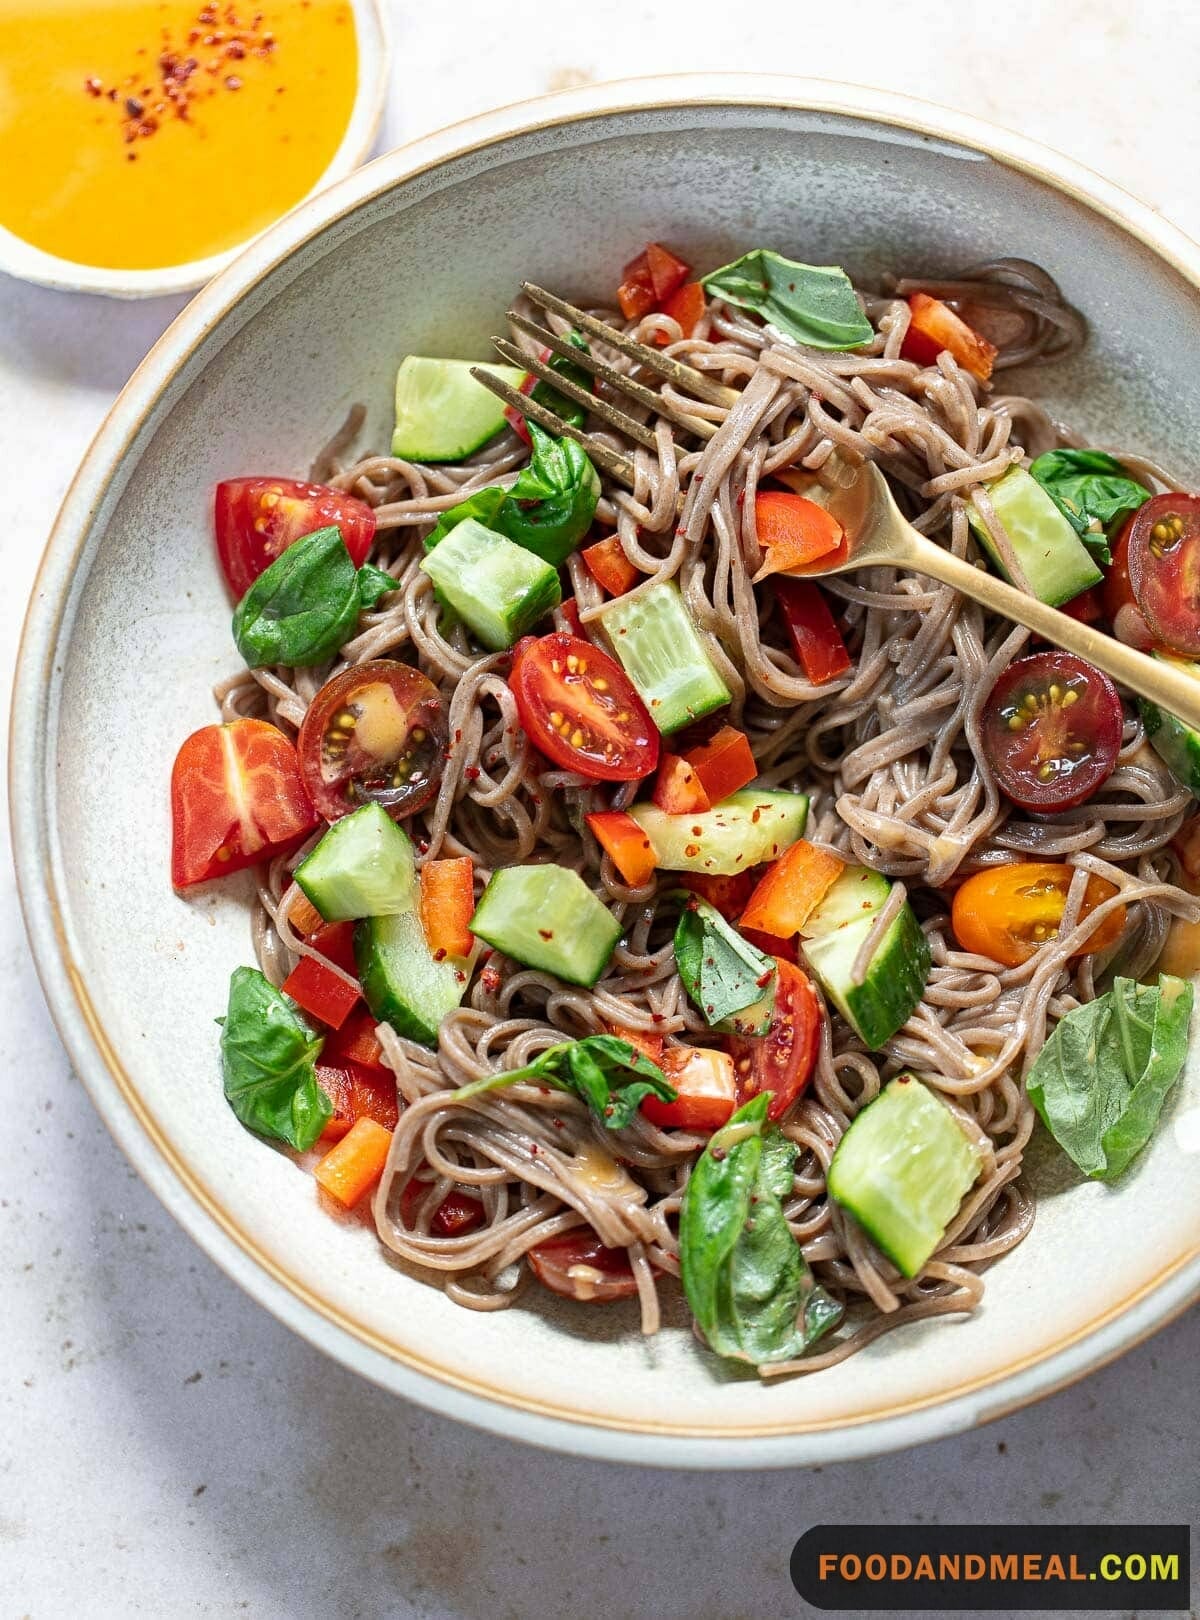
[1164, 569]
[1052, 730]
[580, 709]
[376, 732]
[1122, 612]
[577, 1264]
[258, 518]
[782, 1060]
[237, 798]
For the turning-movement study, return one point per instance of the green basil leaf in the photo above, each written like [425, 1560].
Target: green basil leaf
[596, 1069]
[373, 583]
[550, 507]
[268, 1056]
[721, 972]
[1101, 1079]
[815, 304]
[1092, 490]
[302, 608]
[559, 403]
[745, 1276]
[482, 505]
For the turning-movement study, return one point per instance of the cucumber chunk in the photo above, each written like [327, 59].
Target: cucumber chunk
[894, 981]
[856, 893]
[748, 827]
[403, 984]
[654, 637]
[1175, 743]
[902, 1170]
[546, 917]
[499, 589]
[442, 413]
[363, 867]
[1052, 557]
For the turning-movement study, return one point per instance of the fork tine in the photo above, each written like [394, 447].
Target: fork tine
[615, 465]
[612, 414]
[685, 377]
[615, 379]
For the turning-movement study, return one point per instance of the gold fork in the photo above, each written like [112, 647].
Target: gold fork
[876, 533]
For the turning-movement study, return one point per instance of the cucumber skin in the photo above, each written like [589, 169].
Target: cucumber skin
[857, 1187]
[1073, 553]
[895, 980]
[1177, 745]
[378, 992]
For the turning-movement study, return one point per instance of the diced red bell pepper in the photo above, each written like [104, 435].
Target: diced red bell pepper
[649, 280]
[723, 764]
[648, 1045]
[785, 949]
[677, 788]
[934, 327]
[686, 306]
[572, 623]
[513, 416]
[1087, 607]
[791, 888]
[816, 640]
[624, 840]
[357, 1042]
[728, 893]
[357, 1093]
[793, 531]
[314, 987]
[609, 566]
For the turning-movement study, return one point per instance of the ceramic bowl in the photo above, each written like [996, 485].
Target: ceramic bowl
[129, 628]
[29, 263]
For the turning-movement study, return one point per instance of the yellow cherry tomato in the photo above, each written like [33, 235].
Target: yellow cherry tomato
[1009, 912]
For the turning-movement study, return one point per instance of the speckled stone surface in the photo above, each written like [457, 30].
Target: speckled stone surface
[165, 1447]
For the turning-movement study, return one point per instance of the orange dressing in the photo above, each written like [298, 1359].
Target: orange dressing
[136, 134]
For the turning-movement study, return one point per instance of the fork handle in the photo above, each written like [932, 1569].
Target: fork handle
[1172, 689]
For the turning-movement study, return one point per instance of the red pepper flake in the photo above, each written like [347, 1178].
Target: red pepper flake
[93, 85]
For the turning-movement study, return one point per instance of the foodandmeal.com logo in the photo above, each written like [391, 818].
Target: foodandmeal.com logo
[1003, 1566]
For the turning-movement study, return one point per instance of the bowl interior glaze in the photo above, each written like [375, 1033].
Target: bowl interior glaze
[130, 629]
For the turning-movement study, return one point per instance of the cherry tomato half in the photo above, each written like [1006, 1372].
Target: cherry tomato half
[375, 732]
[1052, 730]
[258, 518]
[1008, 912]
[236, 799]
[577, 1264]
[1122, 612]
[782, 1060]
[1164, 569]
[581, 710]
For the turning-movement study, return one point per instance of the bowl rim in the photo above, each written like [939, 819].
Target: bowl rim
[27, 262]
[1108, 1335]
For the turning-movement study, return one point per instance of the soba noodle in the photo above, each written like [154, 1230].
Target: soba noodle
[889, 752]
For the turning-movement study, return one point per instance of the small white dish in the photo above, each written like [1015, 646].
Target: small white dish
[21, 259]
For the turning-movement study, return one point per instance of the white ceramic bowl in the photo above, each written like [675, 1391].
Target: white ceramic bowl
[29, 263]
[129, 628]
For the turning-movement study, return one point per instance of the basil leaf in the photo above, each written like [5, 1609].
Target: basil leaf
[373, 583]
[1089, 488]
[302, 608]
[482, 505]
[815, 304]
[268, 1056]
[1101, 1079]
[559, 403]
[722, 972]
[745, 1277]
[594, 1069]
[550, 507]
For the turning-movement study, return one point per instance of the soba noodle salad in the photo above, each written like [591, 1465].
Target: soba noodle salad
[637, 916]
